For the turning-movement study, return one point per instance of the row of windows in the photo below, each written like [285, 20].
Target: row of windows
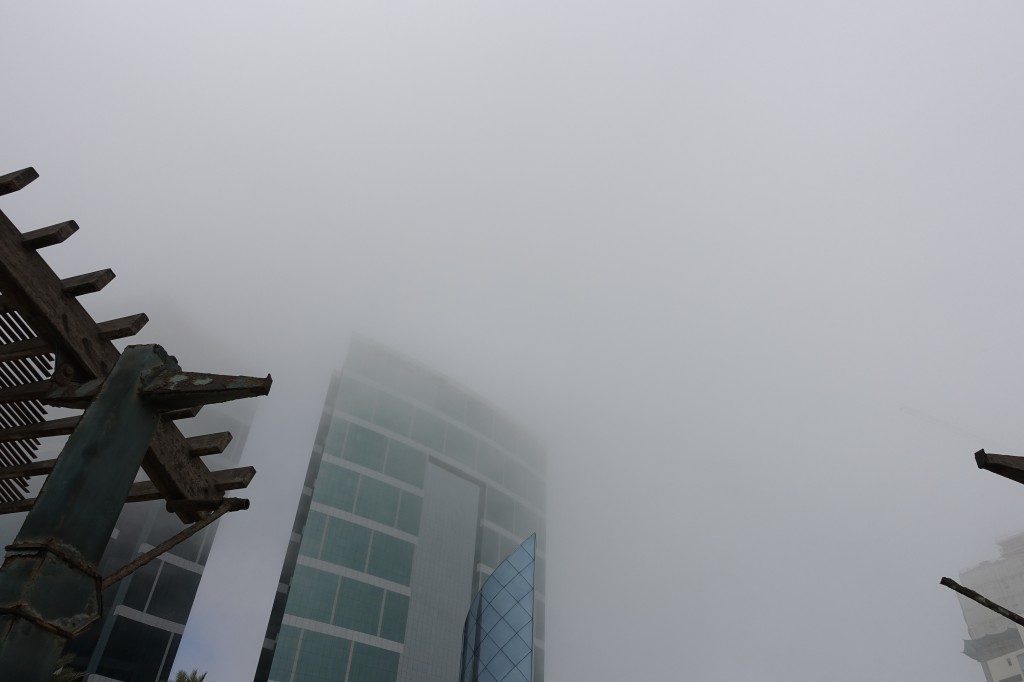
[347, 544]
[514, 517]
[373, 450]
[307, 656]
[347, 490]
[163, 590]
[398, 415]
[347, 603]
[430, 389]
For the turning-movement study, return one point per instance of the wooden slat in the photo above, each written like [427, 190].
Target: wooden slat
[35, 291]
[12, 182]
[33, 391]
[54, 427]
[178, 506]
[26, 348]
[109, 330]
[209, 444]
[39, 468]
[123, 327]
[48, 236]
[145, 491]
[228, 479]
[89, 283]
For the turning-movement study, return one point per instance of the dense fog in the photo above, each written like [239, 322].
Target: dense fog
[751, 270]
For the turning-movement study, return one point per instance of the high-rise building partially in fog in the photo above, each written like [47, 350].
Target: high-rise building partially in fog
[415, 491]
[145, 613]
[995, 642]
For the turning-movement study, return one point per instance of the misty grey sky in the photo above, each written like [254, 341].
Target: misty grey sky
[706, 249]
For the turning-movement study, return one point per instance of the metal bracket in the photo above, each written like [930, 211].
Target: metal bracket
[226, 505]
[68, 555]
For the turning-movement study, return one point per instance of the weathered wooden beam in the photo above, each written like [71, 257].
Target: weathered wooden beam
[89, 283]
[174, 390]
[984, 601]
[195, 506]
[143, 491]
[12, 182]
[228, 479]
[1007, 466]
[183, 413]
[26, 348]
[48, 236]
[54, 427]
[35, 291]
[40, 468]
[32, 391]
[123, 327]
[111, 329]
[209, 444]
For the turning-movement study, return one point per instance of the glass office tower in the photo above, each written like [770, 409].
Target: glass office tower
[415, 489]
[497, 640]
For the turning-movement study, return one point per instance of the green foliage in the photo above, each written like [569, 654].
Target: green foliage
[193, 676]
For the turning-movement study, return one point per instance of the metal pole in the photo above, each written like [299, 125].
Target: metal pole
[49, 584]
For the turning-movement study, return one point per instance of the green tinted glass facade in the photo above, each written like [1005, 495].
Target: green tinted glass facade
[361, 596]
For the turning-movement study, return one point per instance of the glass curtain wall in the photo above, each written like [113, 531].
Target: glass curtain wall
[497, 640]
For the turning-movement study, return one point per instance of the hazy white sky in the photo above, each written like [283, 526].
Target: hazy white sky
[706, 249]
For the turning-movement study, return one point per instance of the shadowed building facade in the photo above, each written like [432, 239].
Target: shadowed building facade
[415, 489]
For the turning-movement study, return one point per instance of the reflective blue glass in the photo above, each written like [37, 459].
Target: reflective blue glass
[497, 640]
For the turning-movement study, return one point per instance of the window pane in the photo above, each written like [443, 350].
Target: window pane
[479, 417]
[345, 544]
[134, 651]
[365, 447]
[390, 558]
[359, 606]
[377, 501]
[527, 523]
[336, 486]
[462, 446]
[335, 440]
[321, 657]
[311, 594]
[396, 611]
[313, 534]
[141, 585]
[406, 463]
[172, 597]
[356, 398]
[370, 664]
[284, 653]
[490, 545]
[409, 513]
[393, 413]
[451, 401]
[500, 509]
[490, 463]
[428, 430]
